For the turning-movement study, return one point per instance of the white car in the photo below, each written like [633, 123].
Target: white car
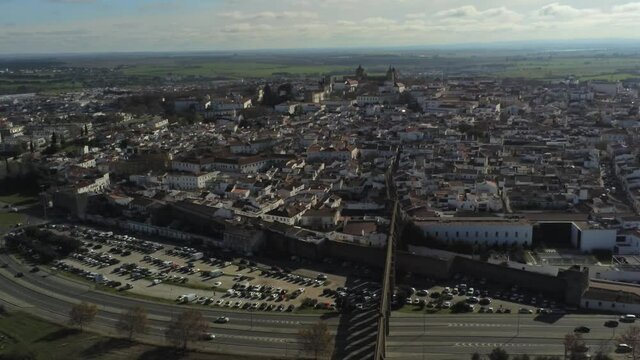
[628, 318]
[624, 348]
[222, 320]
[217, 284]
[446, 304]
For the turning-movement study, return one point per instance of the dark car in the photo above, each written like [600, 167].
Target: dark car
[582, 329]
[19, 275]
[611, 323]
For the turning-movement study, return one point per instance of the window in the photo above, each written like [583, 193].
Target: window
[457, 233]
[516, 234]
[486, 234]
[467, 234]
[497, 234]
[477, 233]
[436, 234]
[506, 234]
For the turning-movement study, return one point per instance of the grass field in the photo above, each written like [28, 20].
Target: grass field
[16, 199]
[231, 69]
[27, 86]
[25, 334]
[586, 68]
[9, 220]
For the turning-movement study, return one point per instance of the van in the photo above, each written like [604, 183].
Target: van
[628, 318]
[624, 348]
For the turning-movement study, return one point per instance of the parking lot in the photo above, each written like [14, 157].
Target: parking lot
[185, 275]
[478, 296]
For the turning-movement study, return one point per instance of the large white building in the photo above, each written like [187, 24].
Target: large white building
[188, 181]
[479, 230]
[93, 186]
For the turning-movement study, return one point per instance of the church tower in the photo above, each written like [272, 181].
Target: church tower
[392, 76]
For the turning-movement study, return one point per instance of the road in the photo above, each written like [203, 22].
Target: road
[443, 336]
[457, 336]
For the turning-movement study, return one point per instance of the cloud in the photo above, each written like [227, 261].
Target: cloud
[233, 24]
[268, 15]
[557, 10]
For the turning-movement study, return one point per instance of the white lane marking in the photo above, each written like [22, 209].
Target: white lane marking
[253, 338]
[477, 325]
[463, 344]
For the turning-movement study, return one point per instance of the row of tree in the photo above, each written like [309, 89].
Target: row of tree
[42, 246]
[574, 349]
[189, 326]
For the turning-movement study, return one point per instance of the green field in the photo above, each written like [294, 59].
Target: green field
[27, 86]
[16, 199]
[231, 69]
[24, 334]
[9, 220]
[585, 68]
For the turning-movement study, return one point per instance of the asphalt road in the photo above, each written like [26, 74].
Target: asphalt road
[457, 336]
[436, 336]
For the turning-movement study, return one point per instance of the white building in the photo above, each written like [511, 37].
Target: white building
[479, 230]
[368, 99]
[188, 181]
[92, 186]
[588, 236]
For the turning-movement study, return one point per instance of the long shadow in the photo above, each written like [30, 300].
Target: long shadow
[59, 334]
[105, 346]
[163, 353]
[356, 332]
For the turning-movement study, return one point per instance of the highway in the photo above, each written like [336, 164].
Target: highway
[445, 336]
[457, 336]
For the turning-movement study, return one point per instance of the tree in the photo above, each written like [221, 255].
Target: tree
[82, 314]
[600, 355]
[132, 322]
[521, 357]
[574, 347]
[498, 354]
[316, 339]
[631, 337]
[188, 326]
[475, 356]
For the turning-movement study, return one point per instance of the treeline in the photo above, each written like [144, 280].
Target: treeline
[42, 246]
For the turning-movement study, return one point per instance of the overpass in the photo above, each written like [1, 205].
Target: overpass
[388, 280]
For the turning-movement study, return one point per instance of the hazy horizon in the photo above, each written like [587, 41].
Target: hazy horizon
[101, 26]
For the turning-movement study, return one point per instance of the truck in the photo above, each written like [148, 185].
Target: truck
[196, 256]
[187, 298]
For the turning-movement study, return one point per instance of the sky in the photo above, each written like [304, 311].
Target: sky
[61, 26]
